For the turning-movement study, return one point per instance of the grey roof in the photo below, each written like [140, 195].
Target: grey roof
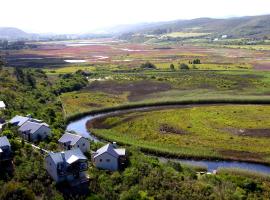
[31, 127]
[70, 138]
[67, 156]
[108, 148]
[19, 120]
[4, 141]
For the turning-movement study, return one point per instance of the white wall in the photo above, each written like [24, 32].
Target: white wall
[106, 161]
[44, 132]
[51, 168]
[83, 144]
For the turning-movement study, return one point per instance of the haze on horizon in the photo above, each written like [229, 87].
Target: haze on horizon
[80, 16]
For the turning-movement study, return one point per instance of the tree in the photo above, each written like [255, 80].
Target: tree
[30, 79]
[19, 74]
[172, 67]
[148, 65]
[14, 190]
[1, 64]
[183, 66]
[197, 61]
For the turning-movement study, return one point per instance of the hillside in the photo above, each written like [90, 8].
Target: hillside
[12, 33]
[249, 27]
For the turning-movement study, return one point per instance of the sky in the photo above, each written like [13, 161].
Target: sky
[81, 16]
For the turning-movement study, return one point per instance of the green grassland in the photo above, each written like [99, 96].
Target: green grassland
[184, 34]
[200, 131]
[155, 87]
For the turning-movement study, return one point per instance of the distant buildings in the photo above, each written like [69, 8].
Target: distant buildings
[31, 129]
[68, 166]
[110, 158]
[224, 36]
[5, 149]
[2, 105]
[72, 141]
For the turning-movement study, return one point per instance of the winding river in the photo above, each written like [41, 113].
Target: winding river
[79, 126]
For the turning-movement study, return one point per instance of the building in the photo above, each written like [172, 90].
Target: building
[68, 166]
[224, 36]
[5, 149]
[19, 120]
[110, 158]
[2, 105]
[72, 141]
[34, 131]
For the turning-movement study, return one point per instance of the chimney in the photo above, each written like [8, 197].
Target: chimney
[29, 116]
[114, 145]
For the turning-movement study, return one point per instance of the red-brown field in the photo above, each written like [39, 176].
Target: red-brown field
[111, 52]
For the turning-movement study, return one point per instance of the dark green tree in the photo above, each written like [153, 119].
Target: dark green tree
[183, 66]
[172, 67]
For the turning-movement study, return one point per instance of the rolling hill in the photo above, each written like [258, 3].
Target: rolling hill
[249, 27]
[12, 33]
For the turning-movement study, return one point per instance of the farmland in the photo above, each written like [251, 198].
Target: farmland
[110, 54]
[223, 131]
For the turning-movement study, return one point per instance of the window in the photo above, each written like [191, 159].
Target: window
[100, 160]
[83, 144]
[108, 160]
[78, 145]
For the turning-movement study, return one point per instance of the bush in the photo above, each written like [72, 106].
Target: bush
[183, 66]
[148, 65]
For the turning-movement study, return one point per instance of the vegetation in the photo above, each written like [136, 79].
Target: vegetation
[203, 131]
[155, 87]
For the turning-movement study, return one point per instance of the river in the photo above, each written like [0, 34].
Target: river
[79, 126]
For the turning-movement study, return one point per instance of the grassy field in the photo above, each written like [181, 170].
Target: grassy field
[239, 132]
[184, 34]
[116, 89]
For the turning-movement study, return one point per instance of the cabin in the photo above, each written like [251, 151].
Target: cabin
[5, 149]
[70, 166]
[109, 157]
[2, 105]
[34, 131]
[70, 141]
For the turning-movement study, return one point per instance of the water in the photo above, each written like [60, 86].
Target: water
[75, 61]
[79, 126]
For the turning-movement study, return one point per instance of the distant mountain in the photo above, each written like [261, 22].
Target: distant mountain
[251, 26]
[10, 33]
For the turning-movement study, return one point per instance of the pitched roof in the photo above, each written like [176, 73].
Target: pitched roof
[2, 104]
[108, 148]
[70, 138]
[31, 127]
[4, 141]
[69, 157]
[19, 120]
[120, 152]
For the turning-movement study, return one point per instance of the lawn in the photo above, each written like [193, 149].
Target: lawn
[240, 132]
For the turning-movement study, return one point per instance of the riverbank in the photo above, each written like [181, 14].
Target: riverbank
[203, 101]
[79, 127]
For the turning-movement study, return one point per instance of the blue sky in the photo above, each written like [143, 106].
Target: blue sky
[78, 16]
